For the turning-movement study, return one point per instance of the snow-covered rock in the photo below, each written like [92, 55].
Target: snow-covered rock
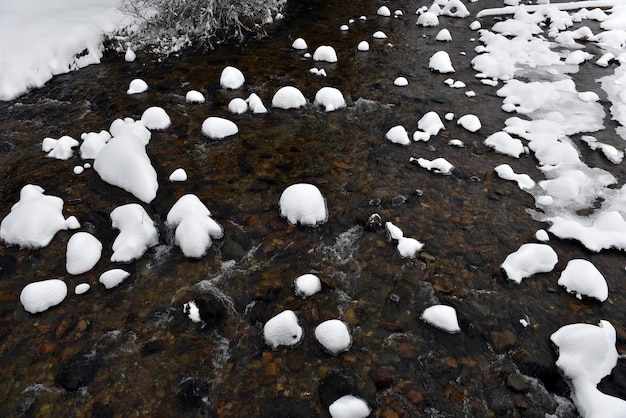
[442, 317]
[441, 62]
[438, 165]
[137, 233]
[363, 46]
[215, 127]
[444, 35]
[383, 11]
[113, 278]
[39, 296]
[231, 78]
[398, 135]
[334, 336]
[82, 288]
[469, 122]
[83, 253]
[401, 82]
[349, 406]
[524, 181]
[255, 104]
[307, 285]
[156, 118]
[288, 97]
[137, 86]
[303, 203]
[504, 143]
[61, 148]
[428, 19]
[431, 123]
[194, 96]
[325, 53]
[529, 259]
[299, 43]
[93, 142]
[178, 175]
[329, 98]
[584, 279]
[282, 329]
[238, 106]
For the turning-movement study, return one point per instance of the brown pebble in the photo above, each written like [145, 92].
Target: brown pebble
[388, 413]
[451, 362]
[502, 340]
[415, 397]
[407, 351]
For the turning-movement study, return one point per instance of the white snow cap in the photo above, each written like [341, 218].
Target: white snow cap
[349, 406]
[470, 122]
[83, 253]
[288, 97]
[218, 128]
[195, 228]
[334, 336]
[529, 259]
[282, 329]
[401, 82]
[178, 175]
[93, 142]
[61, 148]
[524, 181]
[255, 104]
[586, 355]
[428, 19]
[232, 78]
[35, 219]
[238, 106]
[137, 86]
[441, 62]
[584, 279]
[307, 285]
[137, 233]
[194, 96]
[123, 162]
[379, 34]
[504, 143]
[444, 35]
[383, 11]
[130, 55]
[442, 317]
[114, 277]
[82, 288]
[438, 165]
[156, 118]
[39, 296]
[398, 135]
[303, 203]
[431, 123]
[407, 247]
[325, 53]
[299, 43]
[330, 99]
[363, 46]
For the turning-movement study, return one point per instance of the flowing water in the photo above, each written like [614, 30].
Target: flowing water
[130, 351]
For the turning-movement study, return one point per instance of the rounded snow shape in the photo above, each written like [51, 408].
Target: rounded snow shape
[344, 28]
[238, 106]
[194, 96]
[288, 97]
[308, 285]
[379, 35]
[401, 82]
[83, 253]
[255, 104]
[431, 123]
[156, 118]
[440, 62]
[383, 11]
[334, 336]
[282, 329]
[398, 135]
[231, 78]
[39, 296]
[504, 143]
[82, 288]
[325, 53]
[137, 86]
[178, 175]
[470, 122]
[363, 46]
[583, 278]
[93, 142]
[330, 98]
[303, 203]
[444, 35]
[529, 259]
[299, 44]
[218, 128]
[409, 247]
[349, 406]
[428, 19]
[130, 55]
[137, 232]
[442, 317]
[114, 277]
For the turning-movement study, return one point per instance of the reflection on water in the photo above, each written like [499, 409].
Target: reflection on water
[133, 352]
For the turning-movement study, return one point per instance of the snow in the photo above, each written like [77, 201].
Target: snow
[83, 253]
[401, 82]
[529, 259]
[307, 285]
[438, 165]
[431, 124]
[231, 78]
[504, 143]
[82, 288]
[398, 135]
[407, 247]
[39, 296]
[137, 86]
[282, 329]
[325, 53]
[363, 46]
[40, 39]
[586, 355]
[194, 227]
[299, 43]
[469, 122]
[428, 19]
[524, 181]
[329, 98]
[379, 34]
[255, 104]
[237, 106]
[383, 11]
[194, 96]
[130, 55]
[155, 118]
[334, 336]
[441, 62]
[93, 142]
[442, 317]
[114, 277]
[61, 148]
[35, 219]
[349, 406]
[178, 175]
[216, 127]
[288, 97]
[444, 35]
[192, 311]
[123, 162]
[582, 278]
[137, 233]
[303, 203]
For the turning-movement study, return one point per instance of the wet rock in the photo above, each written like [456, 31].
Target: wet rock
[8, 265]
[151, 347]
[334, 386]
[501, 402]
[502, 340]
[383, 377]
[284, 407]
[194, 393]
[517, 382]
[102, 410]
[79, 370]
[211, 310]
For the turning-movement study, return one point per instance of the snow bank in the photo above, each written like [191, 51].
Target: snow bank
[303, 203]
[39, 296]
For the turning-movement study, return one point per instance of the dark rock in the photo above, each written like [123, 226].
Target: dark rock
[79, 370]
[8, 265]
[151, 347]
[194, 393]
[517, 382]
[102, 410]
[211, 309]
[287, 408]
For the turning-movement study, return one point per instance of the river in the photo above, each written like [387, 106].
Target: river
[130, 351]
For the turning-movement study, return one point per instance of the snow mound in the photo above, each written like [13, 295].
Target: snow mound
[255, 104]
[442, 317]
[156, 118]
[438, 165]
[113, 278]
[288, 97]
[93, 142]
[218, 128]
[469, 122]
[401, 82]
[444, 35]
[39, 296]
[61, 148]
[583, 278]
[137, 233]
[529, 259]
[398, 135]
[231, 78]
[504, 143]
[330, 99]
[431, 123]
[307, 285]
[194, 96]
[524, 181]
[383, 11]
[334, 336]
[299, 43]
[35, 219]
[428, 19]
[178, 175]
[325, 53]
[407, 247]
[137, 86]
[83, 253]
[349, 406]
[282, 329]
[303, 203]
[237, 106]
[82, 288]
[441, 62]
[363, 46]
